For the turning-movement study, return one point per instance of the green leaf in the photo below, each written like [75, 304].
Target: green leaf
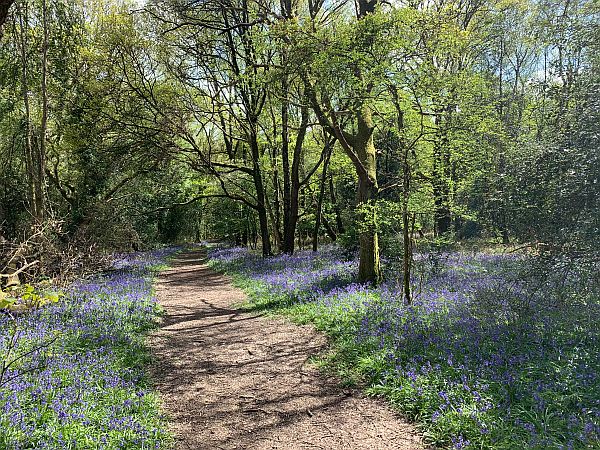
[6, 302]
[52, 297]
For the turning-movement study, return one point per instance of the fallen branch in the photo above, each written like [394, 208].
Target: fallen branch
[20, 270]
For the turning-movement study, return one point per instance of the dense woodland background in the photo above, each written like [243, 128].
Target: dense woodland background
[379, 125]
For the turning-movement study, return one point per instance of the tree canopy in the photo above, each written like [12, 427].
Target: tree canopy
[273, 124]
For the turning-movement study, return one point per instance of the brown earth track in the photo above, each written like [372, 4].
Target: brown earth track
[230, 379]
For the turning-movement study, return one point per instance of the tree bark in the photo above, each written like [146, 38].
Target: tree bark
[35, 149]
[369, 266]
[369, 269]
[339, 223]
[406, 186]
[321, 196]
[290, 219]
[41, 154]
[29, 152]
[287, 246]
[4, 7]
[329, 229]
[406, 263]
[275, 212]
[441, 188]
[261, 207]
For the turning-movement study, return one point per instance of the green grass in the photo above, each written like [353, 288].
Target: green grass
[507, 370]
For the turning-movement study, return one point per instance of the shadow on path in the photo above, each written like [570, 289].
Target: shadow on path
[230, 379]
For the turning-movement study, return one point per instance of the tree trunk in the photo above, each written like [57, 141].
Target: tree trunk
[29, 153]
[273, 215]
[336, 208]
[406, 186]
[501, 161]
[329, 229]
[276, 210]
[360, 148]
[369, 267]
[261, 207]
[287, 246]
[503, 206]
[41, 154]
[441, 188]
[406, 266]
[4, 7]
[369, 270]
[265, 236]
[406, 231]
[35, 149]
[322, 182]
[290, 220]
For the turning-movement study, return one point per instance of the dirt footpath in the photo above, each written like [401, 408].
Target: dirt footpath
[229, 379]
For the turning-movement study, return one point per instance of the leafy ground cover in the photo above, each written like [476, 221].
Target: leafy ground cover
[77, 380]
[481, 359]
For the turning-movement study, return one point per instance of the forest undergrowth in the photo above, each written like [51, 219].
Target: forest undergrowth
[72, 374]
[482, 358]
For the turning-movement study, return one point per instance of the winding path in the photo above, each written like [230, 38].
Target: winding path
[230, 379]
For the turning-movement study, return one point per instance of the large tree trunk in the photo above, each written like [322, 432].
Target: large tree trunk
[369, 267]
[369, 270]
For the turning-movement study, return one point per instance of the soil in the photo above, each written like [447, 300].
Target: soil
[232, 379]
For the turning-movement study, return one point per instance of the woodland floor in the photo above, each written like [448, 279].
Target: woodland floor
[229, 379]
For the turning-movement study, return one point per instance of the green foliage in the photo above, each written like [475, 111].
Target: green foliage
[25, 297]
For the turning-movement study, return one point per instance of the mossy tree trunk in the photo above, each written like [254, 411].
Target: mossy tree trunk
[369, 267]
